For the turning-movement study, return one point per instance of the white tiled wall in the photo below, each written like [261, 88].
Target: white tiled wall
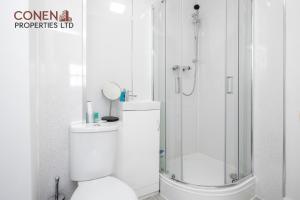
[292, 99]
[118, 49]
[268, 98]
[58, 93]
[108, 49]
[16, 172]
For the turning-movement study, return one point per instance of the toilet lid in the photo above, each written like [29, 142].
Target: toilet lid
[107, 188]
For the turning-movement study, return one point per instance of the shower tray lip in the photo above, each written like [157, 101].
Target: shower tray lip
[247, 181]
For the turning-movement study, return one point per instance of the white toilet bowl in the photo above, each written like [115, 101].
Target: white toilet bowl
[107, 188]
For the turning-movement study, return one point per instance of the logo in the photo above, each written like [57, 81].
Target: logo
[64, 17]
[46, 19]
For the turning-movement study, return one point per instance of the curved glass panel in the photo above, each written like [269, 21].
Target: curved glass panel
[202, 64]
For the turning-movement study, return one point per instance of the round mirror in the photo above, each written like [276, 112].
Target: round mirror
[111, 90]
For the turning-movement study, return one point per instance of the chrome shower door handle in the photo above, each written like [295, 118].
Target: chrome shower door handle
[176, 68]
[177, 85]
[229, 84]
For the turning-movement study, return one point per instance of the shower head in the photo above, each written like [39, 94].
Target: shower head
[195, 15]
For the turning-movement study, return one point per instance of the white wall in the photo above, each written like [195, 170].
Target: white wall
[118, 49]
[16, 172]
[292, 99]
[57, 75]
[268, 98]
[108, 50]
[142, 49]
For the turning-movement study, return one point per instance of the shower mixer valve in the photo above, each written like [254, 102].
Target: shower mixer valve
[175, 67]
[183, 68]
[186, 68]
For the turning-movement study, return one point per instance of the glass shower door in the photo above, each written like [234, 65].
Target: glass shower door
[238, 145]
[167, 84]
[173, 90]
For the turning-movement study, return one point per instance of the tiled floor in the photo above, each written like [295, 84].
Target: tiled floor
[156, 197]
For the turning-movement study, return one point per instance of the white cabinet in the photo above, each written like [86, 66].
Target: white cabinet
[138, 147]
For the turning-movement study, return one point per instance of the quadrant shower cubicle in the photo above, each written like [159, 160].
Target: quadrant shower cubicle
[202, 66]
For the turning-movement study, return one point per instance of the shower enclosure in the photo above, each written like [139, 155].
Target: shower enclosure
[202, 66]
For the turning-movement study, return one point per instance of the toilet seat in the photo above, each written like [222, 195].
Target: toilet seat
[107, 188]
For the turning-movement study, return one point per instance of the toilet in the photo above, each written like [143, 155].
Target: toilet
[92, 162]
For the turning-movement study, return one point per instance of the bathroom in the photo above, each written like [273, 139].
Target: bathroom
[200, 99]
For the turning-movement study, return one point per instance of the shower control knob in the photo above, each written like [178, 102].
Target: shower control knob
[186, 68]
[175, 67]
